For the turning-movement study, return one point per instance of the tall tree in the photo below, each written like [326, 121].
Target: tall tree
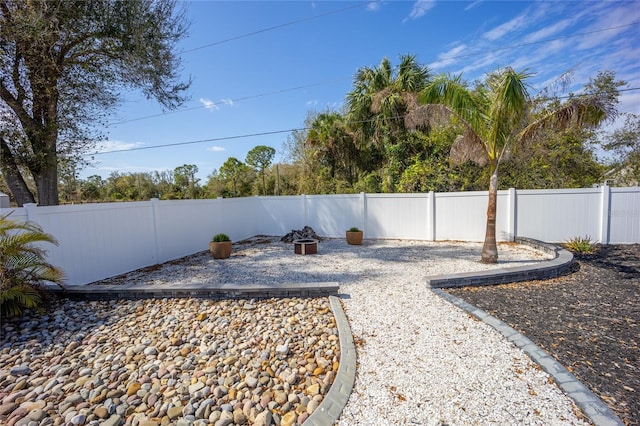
[377, 104]
[234, 171]
[334, 146]
[625, 144]
[497, 116]
[185, 178]
[62, 67]
[260, 158]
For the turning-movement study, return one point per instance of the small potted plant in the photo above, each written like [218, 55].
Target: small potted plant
[354, 236]
[220, 246]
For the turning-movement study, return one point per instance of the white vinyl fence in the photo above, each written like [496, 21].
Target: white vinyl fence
[102, 240]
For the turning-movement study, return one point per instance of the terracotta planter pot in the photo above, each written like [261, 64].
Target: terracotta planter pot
[355, 237]
[221, 250]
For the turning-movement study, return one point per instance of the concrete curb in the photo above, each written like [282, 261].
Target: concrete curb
[562, 261]
[592, 406]
[334, 402]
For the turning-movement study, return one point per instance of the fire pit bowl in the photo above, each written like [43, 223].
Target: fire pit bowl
[305, 246]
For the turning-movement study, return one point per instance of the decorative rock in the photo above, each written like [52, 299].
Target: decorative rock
[263, 419]
[289, 419]
[8, 408]
[20, 370]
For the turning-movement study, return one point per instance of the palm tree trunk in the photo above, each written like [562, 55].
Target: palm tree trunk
[490, 248]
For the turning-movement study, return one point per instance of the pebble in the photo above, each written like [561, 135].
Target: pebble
[159, 361]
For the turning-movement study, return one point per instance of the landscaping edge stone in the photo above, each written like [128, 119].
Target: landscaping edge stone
[330, 409]
[560, 264]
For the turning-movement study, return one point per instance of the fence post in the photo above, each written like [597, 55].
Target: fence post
[363, 209]
[304, 210]
[604, 213]
[431, 216]
[155, 216]
[512, 215]
[31, 209]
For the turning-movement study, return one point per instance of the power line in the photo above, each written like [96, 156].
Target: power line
[291, 89]
[275, 27]
[243, 98]
[274, 132]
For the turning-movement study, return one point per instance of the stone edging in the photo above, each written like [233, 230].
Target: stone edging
[213, 291]
[598, 412]
[334, 401]
[557, 266]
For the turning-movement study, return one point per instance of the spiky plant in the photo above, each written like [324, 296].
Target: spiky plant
[23, 267]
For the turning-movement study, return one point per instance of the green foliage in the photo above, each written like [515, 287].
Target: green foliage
[23, 268]
[260, 158]
[580, 245]
[64, 65]
[219, 238]
[354, 229]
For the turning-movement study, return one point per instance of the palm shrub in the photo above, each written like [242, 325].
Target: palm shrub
[23, 267]
[580, 245]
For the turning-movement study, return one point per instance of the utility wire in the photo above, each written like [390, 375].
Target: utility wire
[274, 132]
[275, 27]
[291, 89]
[243, 98]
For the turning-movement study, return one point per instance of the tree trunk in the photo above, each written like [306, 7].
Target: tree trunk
[490, 248]
[12, 176]
[46, 176]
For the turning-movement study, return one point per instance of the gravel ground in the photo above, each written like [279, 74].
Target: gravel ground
[420, 360]
[588, 320]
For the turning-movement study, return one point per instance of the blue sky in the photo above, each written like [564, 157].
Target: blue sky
[261, 66]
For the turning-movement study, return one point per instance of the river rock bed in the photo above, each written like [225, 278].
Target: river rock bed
[180, 361]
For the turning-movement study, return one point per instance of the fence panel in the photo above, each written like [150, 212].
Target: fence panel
[331, 215]
[558, 215]
[279, 215]
[463, 216]
[624, 216]
[403, 216]
[97, 241]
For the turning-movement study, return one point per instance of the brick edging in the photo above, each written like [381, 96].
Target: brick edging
[591, 405]
[333, 403]
[562, 261]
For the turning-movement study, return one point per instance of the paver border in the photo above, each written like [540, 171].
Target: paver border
[330, 409]
[560, 264]
[591, 405]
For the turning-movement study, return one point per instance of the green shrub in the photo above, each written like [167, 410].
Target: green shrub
[218, 238]
[354, 229]
[580, 245]
[23, 268]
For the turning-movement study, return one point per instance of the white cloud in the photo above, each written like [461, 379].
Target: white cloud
[474, 4]
[216, 149]
[227, 102]
[209, 104]
[501, 30]
[313, 102]
[373, 6]
[420, 8]
[548, 31]
[449, 57]
[110, 146]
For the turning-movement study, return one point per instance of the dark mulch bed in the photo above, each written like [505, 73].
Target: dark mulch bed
[588, 320]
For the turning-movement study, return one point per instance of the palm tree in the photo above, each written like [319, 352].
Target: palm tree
[380, 98]
[23, 268]
[334, 146]
[497, 116]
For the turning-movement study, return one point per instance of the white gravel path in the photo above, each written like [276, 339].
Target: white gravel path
[421, 361]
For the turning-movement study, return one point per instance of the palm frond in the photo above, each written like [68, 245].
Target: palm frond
[583, 111]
